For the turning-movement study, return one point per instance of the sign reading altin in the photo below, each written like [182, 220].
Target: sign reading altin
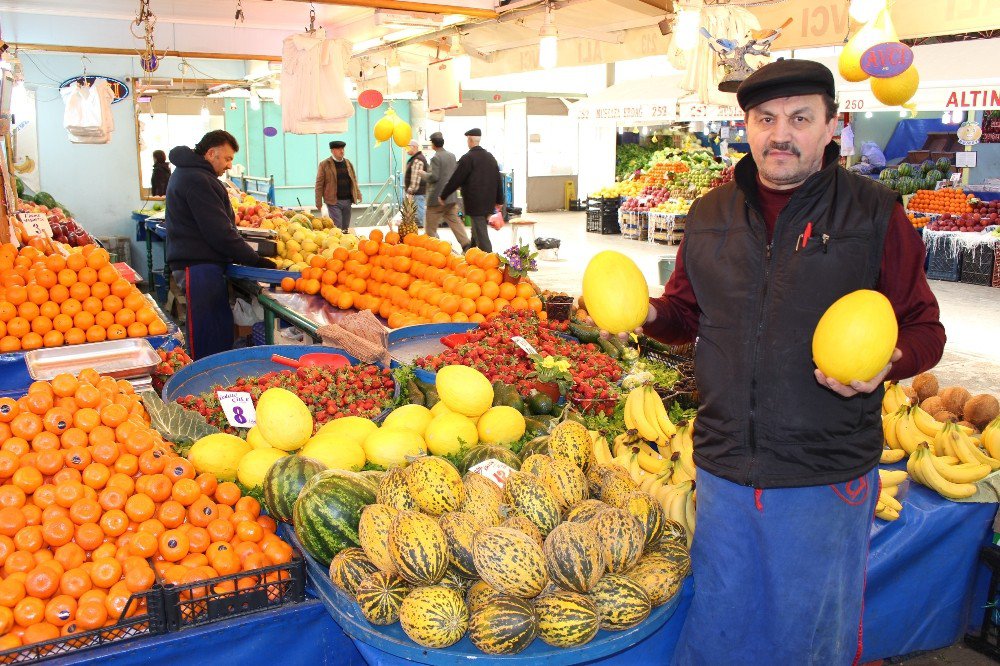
[968, 98]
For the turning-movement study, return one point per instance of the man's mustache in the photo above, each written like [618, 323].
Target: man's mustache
[786, 147]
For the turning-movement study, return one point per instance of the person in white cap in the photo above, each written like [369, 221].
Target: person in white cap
[416, 179]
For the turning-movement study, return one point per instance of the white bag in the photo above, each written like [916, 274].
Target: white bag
[247, 314]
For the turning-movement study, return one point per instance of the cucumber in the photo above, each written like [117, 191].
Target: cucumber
[655, 345]
[618, 344]
[414, 392]
[608, 348]
[584, 333]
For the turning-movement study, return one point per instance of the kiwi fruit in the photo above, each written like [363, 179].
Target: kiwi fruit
[954, 398]
[933, 405]
[981, 409]
[926, 385]
[944, 416]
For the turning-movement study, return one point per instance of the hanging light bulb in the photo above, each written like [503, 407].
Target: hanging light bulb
[868, 114]
[548, 44]
[864, 11]
[463, 63]
[904, 113]
[392, 70]
[686, 28]
[254, 99]
[205, 114]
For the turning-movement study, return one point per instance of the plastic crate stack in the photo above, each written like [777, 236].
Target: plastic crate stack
[666, 228]
[944, 257]
[979, 264]
[634, 224]
[602, 216]
[996, 265]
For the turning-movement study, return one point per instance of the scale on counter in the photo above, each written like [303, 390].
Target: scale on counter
[261, 240]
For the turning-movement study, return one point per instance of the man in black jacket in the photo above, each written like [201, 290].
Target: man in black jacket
[478, 175]
[202, 239]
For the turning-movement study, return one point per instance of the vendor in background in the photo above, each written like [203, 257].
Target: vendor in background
[416, 179]
[442, 166]
[787, 458]
[202, 239]
[161, 175]
[337, 186]
[478, 175]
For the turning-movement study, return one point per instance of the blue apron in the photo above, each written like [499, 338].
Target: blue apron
[209, 316]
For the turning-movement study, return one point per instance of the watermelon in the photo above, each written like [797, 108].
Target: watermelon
[504, 625]
[478, 454]
[328, 510]
[283, 483]
[926, 166]
[943, 165]
[934, 175]
[888, 174]
[905, 169]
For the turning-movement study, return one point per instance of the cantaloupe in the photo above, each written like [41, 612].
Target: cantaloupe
[615, 292]
[855, 337]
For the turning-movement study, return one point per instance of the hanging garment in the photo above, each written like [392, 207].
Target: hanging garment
[88, 117]
[313, 69]
[847, 141]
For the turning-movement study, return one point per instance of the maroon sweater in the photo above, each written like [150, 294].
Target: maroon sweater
[901, 279]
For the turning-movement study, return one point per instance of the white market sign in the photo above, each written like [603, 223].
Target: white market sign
[628, 113]
[942, 98]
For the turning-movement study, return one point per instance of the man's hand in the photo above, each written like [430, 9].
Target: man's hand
[441, 202]
[856, 387]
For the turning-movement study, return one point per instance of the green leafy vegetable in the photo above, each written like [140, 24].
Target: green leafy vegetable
[678, 413]
[403, 375]
[174, 423]
[372, 467]
[256, 492]
[609, 426]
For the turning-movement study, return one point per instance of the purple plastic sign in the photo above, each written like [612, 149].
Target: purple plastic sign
[886, 60]
[270, 131]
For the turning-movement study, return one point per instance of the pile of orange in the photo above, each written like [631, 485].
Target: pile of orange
[947, 200]
[918, 222]
[55, 300]
[93, 503]
[414, 281]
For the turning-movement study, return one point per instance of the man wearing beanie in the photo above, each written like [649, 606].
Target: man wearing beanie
[787, 457]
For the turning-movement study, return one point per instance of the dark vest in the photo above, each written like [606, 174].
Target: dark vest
[764, 421]
[422, 188]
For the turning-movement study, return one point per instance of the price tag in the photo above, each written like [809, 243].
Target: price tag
[36, 224]
[494, 470]
[523, 344]
[238, 407]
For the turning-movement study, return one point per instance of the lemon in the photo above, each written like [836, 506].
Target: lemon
[353, 428]
[254, 465]
[335, 452]
[414, 417]
[449, 433]
[256, 440]
[283, 419]
[501, 425]
[464, 390]
[219, 454]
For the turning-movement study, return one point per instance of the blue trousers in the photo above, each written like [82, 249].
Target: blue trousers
[209, 316]
[779, 574]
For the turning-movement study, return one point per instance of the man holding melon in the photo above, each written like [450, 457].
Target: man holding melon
[787, 456]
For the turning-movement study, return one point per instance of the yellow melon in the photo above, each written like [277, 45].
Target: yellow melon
[335, 452]
[464, 390]
[896, 90]
[414, 417]
[450, 433]
[387, 447]
[501, 425]
[615, 291]
[354, 428]
[855, 337]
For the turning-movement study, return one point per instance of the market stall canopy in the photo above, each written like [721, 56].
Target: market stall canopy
[652, 101]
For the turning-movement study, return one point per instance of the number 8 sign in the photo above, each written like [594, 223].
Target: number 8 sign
[238, 407]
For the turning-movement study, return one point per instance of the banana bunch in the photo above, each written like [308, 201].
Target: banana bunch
[680, 451]
[908, 427]
[894, 398]
[676, 499]
[631, 452]
[645, 413]
[954, 441]
[991, 438]
[888, 507]
[950, 480]
[599, 449]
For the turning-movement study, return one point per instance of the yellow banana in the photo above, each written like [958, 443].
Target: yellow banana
[649, 402]
[937, 482]
[600, 450]
[889, 429]
[891, 491]
[908, 434]
[634, 406]
[680, 473]
[892, 456]
[891, 477]
[925, 422]
[659, 481]
[885, 513]
[964, 473]
[893, 399]
[890, 502]
[677, 505]
[653, 465]
[689, 516]
[913, 470]
[668, 495]
[991, 438]
[659, 412]
[967, 451]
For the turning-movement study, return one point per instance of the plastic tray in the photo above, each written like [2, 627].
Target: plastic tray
[394, 641]
[268, 275]
[226, 367]
[411, 342]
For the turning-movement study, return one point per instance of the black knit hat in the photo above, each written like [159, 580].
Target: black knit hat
[337, 144]
[785, 78]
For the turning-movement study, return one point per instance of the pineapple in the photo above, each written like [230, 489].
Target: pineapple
[408, 213]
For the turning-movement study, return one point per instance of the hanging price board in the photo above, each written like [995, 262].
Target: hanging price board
[238, 407]
[36, 224]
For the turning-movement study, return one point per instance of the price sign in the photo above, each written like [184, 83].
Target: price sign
[36, 224]
[523, 344]
[238, 407]
[494, 470]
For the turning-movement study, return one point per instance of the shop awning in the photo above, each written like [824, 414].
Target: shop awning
[658, 100]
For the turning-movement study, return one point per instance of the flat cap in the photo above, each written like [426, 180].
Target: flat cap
[785, 78]
[337, 144]
[436, 135]
[475, 131]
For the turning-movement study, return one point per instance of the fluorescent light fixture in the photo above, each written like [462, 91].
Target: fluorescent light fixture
[254, 99]
[864, 11]
[548, 44]
[393, 71]
[463, 63]
[686, 28]
[205, 113]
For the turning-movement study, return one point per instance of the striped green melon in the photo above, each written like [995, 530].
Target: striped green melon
[621, 602]
[482, 499]
[570, 441]
[532, 500]
[615, 487]
[394, 491]
[621, 538]
[373, 532]
[574, 558]
[674, 531]
[454, 579]
[418, 548]
[522, 524]
[566, 482]
[376, 475]
[658, 576]
[585, 510]
[649, 513]
[567, 619]
[328, 510]
[349, 567]
[380, 596]
[479, 593]
[536, 464]
[435, 484]
[460, 529]
[283, 483]
[434, 616]
[357, 477]
[539, 444]
[510, 561]
[504, 625]
[676, 554]
[478, 454]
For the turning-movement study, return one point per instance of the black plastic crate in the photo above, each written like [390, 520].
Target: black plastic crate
[988, 640]
[945, 262]
[601, 223]
[996, 265]
[224, 597]
[152, 622]
[977, 265]
[612, 204]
